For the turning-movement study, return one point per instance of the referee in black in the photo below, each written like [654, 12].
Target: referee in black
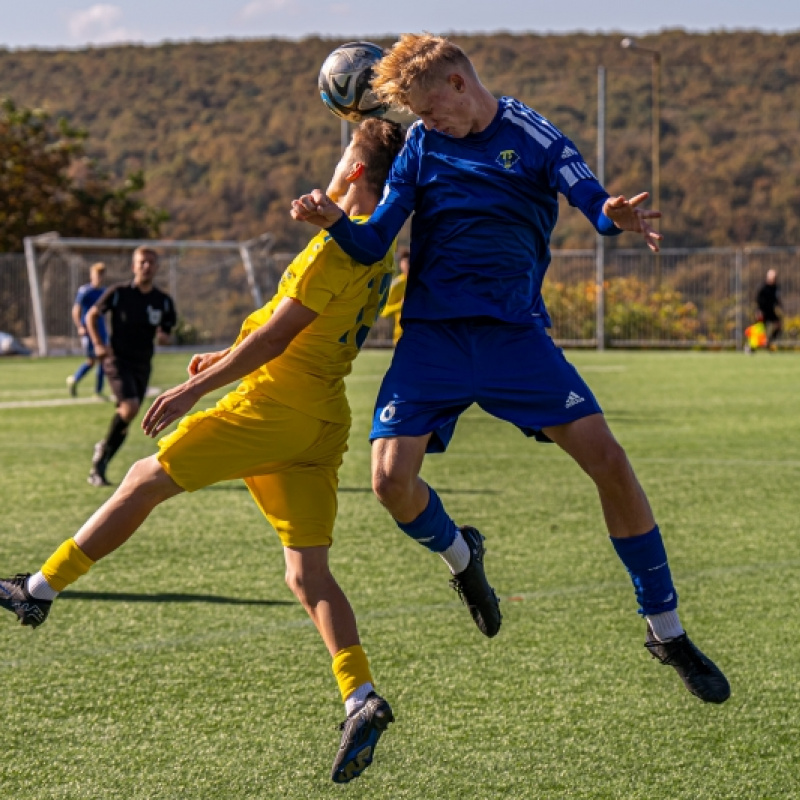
[140, 313]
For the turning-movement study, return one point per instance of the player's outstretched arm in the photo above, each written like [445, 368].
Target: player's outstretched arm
[626, 215]
[316, 208]
[202, 361]
[259, 348]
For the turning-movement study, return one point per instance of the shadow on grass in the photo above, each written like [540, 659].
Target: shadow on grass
[239, 486]
[439, 490]
[166, 597]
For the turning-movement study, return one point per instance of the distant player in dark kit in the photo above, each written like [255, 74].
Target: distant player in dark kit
[87, 296]
[140, 313]
[769, 307]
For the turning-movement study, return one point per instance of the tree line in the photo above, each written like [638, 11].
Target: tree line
[214, 139]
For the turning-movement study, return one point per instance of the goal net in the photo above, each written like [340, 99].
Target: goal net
[215, 284]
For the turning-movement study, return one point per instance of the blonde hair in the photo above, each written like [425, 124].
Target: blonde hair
[97, 269]
[417, 60]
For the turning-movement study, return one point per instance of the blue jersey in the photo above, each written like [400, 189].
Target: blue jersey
[484, 207]
[86, 297]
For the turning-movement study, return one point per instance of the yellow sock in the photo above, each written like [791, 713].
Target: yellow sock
[66, 565]
[351, 669]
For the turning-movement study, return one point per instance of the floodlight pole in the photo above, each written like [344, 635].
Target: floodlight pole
[600, 249]
[631, 44]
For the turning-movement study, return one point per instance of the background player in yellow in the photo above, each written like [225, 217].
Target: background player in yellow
[397, 293]
[283, 430]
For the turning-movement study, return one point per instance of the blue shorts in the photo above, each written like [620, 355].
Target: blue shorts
[514, 372]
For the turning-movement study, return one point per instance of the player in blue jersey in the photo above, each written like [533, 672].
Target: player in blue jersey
[87, 296]
[482, 178]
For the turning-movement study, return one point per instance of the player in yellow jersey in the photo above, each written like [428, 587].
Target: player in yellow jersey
[397, 293]
[283, 430]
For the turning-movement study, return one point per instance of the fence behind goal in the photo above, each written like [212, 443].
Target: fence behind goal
[214, 285]
[680, 298]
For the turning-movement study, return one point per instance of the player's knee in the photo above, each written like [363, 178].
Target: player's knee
[128, 409]
[391, 488]
[609, 462]
[149, 477]
[304, 582]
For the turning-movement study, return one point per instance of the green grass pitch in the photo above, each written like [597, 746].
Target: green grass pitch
[181, 666]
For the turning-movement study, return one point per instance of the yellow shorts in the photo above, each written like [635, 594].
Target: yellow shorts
[288, 460]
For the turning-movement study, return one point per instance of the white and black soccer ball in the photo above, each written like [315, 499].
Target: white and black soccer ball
[344, 81]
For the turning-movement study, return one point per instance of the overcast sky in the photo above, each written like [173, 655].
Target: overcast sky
[71, 23]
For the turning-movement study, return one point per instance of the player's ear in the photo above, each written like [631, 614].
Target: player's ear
[356, 171]
[457, 82]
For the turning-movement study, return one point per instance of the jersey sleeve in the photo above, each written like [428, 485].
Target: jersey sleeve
[324, 275]
[572, 177]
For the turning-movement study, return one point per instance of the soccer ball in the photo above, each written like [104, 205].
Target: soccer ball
[344, 81]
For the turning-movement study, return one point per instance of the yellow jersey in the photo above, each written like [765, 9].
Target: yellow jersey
[348, 296]
[394, 304]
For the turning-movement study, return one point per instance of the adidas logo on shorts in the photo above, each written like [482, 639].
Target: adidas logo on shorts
[573, 400]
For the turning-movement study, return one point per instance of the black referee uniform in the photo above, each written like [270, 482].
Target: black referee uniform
[136, 318]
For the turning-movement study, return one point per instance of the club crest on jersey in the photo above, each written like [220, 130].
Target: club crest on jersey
[507, 159]
[154, 315]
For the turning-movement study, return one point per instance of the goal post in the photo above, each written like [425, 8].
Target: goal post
[215, 284]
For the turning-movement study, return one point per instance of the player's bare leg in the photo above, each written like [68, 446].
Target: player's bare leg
[637, 540]
[590, 442]
[144, 487]
[309, 577]
[418, 511]
[368, 715]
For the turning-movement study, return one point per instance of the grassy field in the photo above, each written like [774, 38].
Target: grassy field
[181, 666]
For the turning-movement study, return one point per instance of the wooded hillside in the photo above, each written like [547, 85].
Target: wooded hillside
[227, 133]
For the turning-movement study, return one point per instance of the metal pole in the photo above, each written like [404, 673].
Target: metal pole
[600, 251]
[247, 261]
[36, 296]
[656, 130]
[657, 150]
[739, 291]
[655, 194]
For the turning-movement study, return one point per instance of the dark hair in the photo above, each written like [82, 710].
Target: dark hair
[376, 142]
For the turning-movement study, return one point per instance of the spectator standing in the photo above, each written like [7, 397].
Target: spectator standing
[769, 307]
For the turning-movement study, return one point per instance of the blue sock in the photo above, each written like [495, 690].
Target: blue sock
[82, 370]
[99, 375]
[646, 561]
[433, 528]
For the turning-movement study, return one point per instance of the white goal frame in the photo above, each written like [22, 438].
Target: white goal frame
[73, 255]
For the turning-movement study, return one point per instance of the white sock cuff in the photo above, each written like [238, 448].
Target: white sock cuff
[357, 698]
[666, 626]
[457, 556]
[39, 587]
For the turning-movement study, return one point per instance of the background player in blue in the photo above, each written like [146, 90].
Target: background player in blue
[86, 297]
[482, 178]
